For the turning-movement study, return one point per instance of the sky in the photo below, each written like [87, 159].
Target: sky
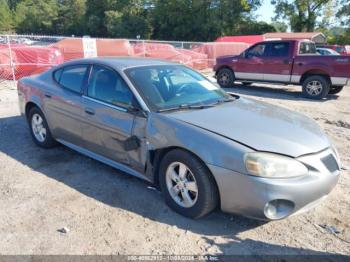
[265, 12]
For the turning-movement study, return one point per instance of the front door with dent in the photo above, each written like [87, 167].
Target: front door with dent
[107, 122]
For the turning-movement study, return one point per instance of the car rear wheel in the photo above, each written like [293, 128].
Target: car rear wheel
[316, 87]
[39, 129]
[187, 184]
[335, 90]
[225, 77]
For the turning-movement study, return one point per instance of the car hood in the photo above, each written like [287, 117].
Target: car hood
[260, 126]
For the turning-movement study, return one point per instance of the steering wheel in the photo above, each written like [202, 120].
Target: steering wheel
[183, 87]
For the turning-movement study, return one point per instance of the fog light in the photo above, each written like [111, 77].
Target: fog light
[270, 210]
[278, 209]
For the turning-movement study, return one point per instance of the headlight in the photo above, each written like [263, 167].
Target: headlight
[337, 156]
[273, 166]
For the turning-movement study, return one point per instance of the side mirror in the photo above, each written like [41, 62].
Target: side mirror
[135, 109]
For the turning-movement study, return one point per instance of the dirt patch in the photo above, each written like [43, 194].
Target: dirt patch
[339, 123]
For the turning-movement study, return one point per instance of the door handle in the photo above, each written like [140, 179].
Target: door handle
[300, 64]
[48, 95]
[89, 111]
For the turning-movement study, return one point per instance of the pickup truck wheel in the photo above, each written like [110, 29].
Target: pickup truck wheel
[316, 87]
[187, 184]
[39, 129]
[225, 77]
[335, 90]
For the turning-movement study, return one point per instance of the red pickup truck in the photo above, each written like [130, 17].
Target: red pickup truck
[288, 62]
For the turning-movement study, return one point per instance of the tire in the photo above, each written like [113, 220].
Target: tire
[316, 87]
[204, 197]
[39, 129]
[225, 78]
[335, 90]
[247, 83]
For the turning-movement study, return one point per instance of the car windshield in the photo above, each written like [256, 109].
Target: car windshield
[175, 87]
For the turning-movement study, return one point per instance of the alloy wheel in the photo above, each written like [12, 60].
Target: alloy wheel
[38, 128]
[181, 184]
[314, 88]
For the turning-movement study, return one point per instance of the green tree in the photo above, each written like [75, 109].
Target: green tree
[280, 26]
[199, 20]
[337, 35]
[175, 20]
[251, 27]
[36, 16]
[13, 3]
[95, 16]
[6, 22]
[344, 12]
[302, 14]
[127, 25]
[129, 19]
[71, 17]
[342, 35]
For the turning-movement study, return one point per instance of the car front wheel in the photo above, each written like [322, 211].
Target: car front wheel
[225, 77]
[187, 184]
[316, 87]
[39, 129]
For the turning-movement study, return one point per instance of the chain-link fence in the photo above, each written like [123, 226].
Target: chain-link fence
[25, 55]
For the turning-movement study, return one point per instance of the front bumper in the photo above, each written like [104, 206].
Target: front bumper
[256, 196]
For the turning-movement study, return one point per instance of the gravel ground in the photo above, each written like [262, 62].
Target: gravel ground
[107, 212]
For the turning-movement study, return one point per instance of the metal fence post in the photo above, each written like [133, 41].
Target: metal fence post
[12, 64]
[143, 48]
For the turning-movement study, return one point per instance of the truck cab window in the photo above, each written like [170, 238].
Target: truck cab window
[258, 51]
[279, 49]
[307, 48]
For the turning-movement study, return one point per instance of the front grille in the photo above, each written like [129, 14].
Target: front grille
[330, 162]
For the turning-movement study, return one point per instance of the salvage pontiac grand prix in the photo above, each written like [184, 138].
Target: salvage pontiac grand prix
[167, 124]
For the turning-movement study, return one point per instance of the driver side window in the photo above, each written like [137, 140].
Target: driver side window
[107, 86]
[257, 51]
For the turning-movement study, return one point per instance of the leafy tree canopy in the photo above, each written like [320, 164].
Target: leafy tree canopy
[190, 20]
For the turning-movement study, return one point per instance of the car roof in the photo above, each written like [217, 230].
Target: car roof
[121, 62]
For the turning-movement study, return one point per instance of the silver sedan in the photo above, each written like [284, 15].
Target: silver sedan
[165, 123]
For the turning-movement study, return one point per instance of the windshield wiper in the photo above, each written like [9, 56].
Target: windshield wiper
[184, 106]
[220, 101]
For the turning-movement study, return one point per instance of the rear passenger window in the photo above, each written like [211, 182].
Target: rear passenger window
[71, 77]
[307, 48]
[57, 75]
[279, 49]
[108, 86]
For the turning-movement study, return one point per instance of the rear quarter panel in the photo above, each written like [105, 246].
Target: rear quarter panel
[334, 66]
[30, 89]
